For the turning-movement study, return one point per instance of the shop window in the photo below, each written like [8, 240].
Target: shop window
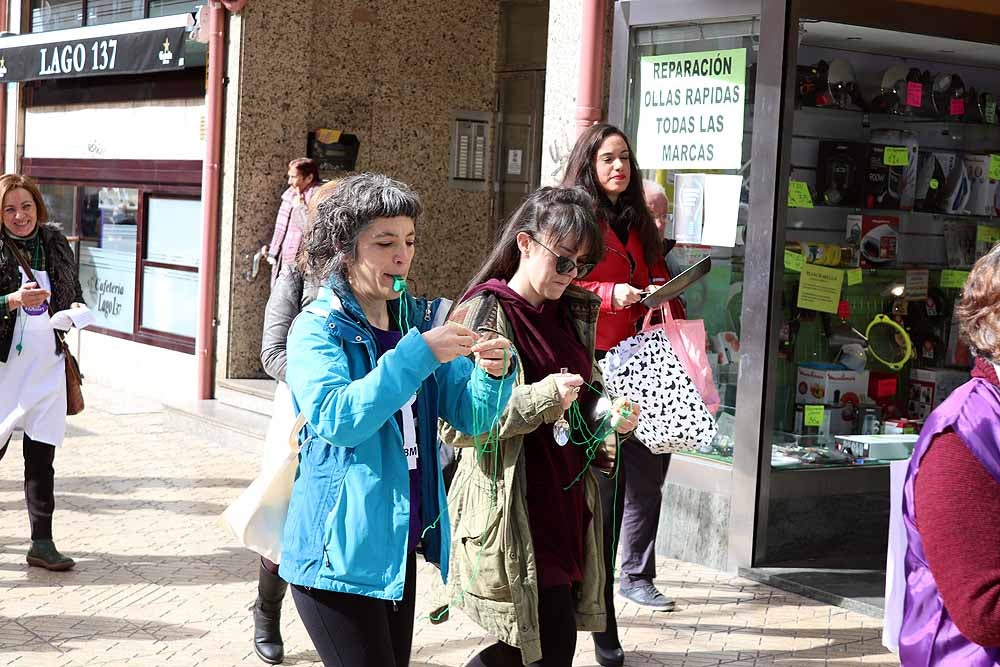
[170, 271]
[107, 259]
[138, 248]
[56, 14]
[61, 14]
[170, 7]
[60, 201]
[700, 165]
[111, 11]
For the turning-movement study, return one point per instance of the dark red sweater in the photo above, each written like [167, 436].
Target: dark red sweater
[958, 516]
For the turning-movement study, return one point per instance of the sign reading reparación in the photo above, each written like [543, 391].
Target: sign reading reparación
[691, 108]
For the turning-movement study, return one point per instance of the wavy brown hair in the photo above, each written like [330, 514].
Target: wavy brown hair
[631, 204]
[10, 182]
[978, 310]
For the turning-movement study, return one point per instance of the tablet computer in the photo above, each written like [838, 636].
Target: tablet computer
[676, 285]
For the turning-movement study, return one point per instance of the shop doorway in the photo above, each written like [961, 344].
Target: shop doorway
[520, 101]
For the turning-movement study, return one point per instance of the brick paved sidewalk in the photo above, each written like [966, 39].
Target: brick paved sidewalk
[159, 582]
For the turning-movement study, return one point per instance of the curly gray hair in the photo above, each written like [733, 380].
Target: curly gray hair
[354, 203]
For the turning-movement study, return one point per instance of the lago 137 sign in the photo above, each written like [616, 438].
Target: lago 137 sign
[130, 53]
[691, 108]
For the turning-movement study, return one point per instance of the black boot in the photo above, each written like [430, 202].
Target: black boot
[267, 642]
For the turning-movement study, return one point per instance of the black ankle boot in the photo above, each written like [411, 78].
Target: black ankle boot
[612, 656]
[267, 642]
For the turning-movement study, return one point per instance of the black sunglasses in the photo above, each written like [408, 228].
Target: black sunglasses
[565, 265]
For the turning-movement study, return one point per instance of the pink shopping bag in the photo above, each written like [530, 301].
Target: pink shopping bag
[688, 339]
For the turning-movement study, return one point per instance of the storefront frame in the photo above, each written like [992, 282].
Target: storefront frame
[169, 179]
[750, 478]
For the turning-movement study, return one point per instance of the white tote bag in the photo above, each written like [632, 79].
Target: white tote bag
[645, 370]
[257, 517]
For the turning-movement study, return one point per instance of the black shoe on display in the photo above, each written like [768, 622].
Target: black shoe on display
[43, 553]
[646, 596]
[267, 643]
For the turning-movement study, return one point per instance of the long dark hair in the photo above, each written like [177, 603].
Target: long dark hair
[631, 205]
[558, 213]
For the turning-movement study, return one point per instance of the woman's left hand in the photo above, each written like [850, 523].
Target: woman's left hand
[493, 355]
[624, 415]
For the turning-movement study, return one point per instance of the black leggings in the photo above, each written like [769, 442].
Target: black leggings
[557, 629]
[39, 485]
[357, 631]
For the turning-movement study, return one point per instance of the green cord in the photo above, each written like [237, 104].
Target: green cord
[481, 448]
[491, 445]
[24, 321]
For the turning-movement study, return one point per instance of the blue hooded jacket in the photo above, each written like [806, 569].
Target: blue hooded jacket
[348, 519]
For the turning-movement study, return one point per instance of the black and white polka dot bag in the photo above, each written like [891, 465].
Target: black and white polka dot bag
[645, 370]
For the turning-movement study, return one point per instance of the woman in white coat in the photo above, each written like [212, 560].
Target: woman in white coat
[32, 370]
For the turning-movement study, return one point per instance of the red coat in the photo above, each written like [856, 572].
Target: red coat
[623, 264]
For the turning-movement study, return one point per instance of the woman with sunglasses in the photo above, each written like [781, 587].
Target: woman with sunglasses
[603, 164]
[526, 559]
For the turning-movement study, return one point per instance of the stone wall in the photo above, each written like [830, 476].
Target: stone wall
[391, 73]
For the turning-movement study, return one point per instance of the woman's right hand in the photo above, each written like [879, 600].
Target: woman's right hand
[624, 295]
[29, 295]
[568, 385]
[450, 341]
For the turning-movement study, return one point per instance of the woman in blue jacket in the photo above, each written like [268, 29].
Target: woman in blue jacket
[371, 369]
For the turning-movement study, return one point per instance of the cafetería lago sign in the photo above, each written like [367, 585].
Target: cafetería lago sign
[123, 53]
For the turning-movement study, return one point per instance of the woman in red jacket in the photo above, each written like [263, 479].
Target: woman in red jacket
[602, 162]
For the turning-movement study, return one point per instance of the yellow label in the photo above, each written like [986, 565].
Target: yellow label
[894, 156]
[995, 167]
[854, 276]
[794, 261]
[813, 415]
[819, 288]
[799, 195]
[953, 279]
[327, 136]
[934, 184]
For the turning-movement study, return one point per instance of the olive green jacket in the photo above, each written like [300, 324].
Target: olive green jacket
[492, 574]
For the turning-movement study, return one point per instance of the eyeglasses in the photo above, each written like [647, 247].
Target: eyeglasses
[565, 265]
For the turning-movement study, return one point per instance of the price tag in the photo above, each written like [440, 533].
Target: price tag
[794, 261]
[799, 195]
[854, 276]
[886, 387]
[990, 112]
[914, 94]
[813, 415]
[995, 167]
[894, 156]
[957, 106]
[953, 279]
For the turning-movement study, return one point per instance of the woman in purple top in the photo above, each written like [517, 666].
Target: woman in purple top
[952, 582]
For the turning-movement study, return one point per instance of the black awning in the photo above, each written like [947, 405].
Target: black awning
[147, 45]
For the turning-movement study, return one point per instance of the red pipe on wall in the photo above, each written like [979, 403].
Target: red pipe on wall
[208, 278]
[590, 84]
[4, 18]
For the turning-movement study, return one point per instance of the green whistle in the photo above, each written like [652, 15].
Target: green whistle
[398, 284]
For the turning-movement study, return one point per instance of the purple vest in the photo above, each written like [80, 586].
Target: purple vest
[928, 637]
